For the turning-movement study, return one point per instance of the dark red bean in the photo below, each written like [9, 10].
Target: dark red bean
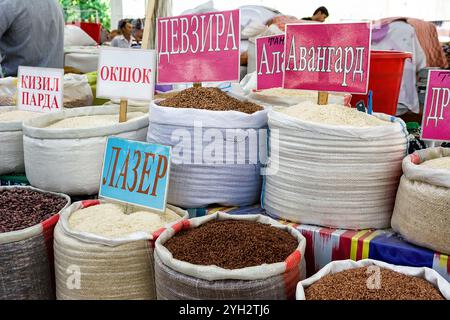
[21, 208]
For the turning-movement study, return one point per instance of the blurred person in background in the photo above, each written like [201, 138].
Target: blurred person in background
[31, 34]
[319, 15]
[124, 39]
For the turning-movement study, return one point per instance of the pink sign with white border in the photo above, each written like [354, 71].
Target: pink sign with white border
[199, 47]
[436, 112]
[327, 57]
[269, 62]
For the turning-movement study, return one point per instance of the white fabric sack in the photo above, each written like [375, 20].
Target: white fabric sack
[8, 91]
[77, 91]
[109, 268]
[70, 160]
[334, 176]
[200, 184]
[26, 258]
[75, 36]
[176, 279]
[422, 207]
[11, 145]
[337, 266]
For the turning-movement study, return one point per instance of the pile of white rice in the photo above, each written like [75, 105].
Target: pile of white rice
[333, 114]
[18, 115]
[288, 92]
[110, 220]
[92, 121]
[438, 163]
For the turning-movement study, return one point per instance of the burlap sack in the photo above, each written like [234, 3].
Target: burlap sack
[94, 267]
[422, 207]
[26, 259]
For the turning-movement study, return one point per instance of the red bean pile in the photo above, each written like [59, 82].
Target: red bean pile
[21, 208]
[360, 284]
[232, 244]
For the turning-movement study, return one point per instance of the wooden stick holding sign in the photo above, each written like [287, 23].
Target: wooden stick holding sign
[322, 98]
[197, 84]
[126, 74]
[123, 110]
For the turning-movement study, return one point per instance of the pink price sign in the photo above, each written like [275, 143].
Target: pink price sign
[327, 57]
[199, 47]
[269, 62]
[436, 113]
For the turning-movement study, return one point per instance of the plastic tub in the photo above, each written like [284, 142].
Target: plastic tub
[385, 78]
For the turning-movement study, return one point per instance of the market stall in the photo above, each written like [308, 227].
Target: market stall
[295, 181]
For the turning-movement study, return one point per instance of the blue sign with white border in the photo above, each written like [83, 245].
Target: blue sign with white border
[136, 172]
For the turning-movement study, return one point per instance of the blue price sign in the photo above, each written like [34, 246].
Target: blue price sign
[136, 172]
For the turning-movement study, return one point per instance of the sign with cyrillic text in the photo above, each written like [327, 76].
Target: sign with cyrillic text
[269, 62]
[40, 89]
[126, 74]
[136, 172]
[436, 112]
[327, 57]
[199, 47]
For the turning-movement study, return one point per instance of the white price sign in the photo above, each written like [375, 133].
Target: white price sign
[40, 89]
[126, 74]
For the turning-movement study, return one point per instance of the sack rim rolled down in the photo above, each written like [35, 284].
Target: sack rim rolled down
[22, 234]
[213, 272]
[90, 238]
[209, 118]
[434, 176]
[8, 126]
[34, 127]
[432, 276]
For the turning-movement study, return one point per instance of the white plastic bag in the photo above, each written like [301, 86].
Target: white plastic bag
[75, 36]
[337, 266]
[77, 92]
[8, 91]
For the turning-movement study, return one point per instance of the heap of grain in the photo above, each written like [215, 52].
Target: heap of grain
[422, 207]
[64, 151]
[333, 166]
[373, 280]
[11, 137]
[221, 256]
[291, 97]
[215, 140]
[112, 247]
[27, 219]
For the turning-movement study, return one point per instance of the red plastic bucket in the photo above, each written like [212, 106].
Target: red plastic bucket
[385, 78]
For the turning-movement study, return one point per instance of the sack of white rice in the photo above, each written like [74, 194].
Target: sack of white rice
[11, 139]
[27, 219]
[422, 207]
[216, 141]
[64, 151]
[105, 250]
[291, 97]
[223, 257]
[333, 166]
